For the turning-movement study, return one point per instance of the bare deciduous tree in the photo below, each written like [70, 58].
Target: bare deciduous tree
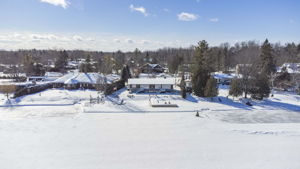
[7, 89]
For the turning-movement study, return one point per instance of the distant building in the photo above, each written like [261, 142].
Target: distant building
[84, 80]
[151, 84]
[49, 76]
[290, 68]
[152, 68]
[239, 68]
[223, 78]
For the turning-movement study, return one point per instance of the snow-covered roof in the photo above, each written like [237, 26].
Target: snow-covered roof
[170, 81]
[219, 75]
[2, 74]
[112, 77]
[64, 78]
[53, 74]
[147, 75]
[288, 69]
[153, 65]
[292, 65]
[90, 78]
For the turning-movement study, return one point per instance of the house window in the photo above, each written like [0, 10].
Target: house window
[151, 86]
[130, 86]
[172, 87]
[138, 86]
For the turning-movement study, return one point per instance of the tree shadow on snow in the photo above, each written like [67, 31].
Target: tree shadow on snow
[229, 102]
[280, 105]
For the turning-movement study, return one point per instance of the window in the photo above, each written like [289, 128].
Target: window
[151, 86]
[138, 86]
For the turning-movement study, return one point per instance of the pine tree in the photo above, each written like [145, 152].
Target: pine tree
[125, 74]
[261, 87]
[235, 88]
[267, 59]
[88, 66]
[62, 61]
[211, 88]
[200, 73]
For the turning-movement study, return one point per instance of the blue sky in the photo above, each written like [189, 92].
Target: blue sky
[110, 25]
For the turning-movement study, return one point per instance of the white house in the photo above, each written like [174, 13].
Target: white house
[83, 80]
[290, 68]
[151, 84]
[223, 78]
[49, 76]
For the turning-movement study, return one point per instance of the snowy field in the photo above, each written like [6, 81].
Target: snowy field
[61, 129]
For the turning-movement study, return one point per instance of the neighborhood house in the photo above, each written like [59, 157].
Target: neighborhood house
[152, 68]
[151, 84]
[84, 80]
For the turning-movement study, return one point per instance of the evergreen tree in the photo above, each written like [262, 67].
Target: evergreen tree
[261, 87]
[211, 88]
[62, 61]
[183, 87]
[267, 59]
[125, 74]
[38, 69]
[200, 72]
[88, 67]
[235, 88]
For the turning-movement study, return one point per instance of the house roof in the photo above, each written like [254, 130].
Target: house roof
[147, 75]
[153, 66]
[170, 81]
[90, 78]
[53, 74]
[218, 75]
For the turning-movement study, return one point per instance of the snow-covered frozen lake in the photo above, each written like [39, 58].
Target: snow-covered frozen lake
[58, 129]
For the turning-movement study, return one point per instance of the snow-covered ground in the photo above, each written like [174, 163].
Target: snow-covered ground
[61, 129]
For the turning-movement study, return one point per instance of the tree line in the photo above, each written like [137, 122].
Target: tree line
[256, 75]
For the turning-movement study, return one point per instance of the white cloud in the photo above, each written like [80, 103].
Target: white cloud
[214, 19]
[166, 10]
[145, 42]
[77, 38]
[97, 41]
[62, 3]
[117, 40]
[184, 16]
[129, 41]
[138, 9]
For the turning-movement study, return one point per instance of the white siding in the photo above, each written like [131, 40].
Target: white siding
[166, 86]
[145, 86]
[157, 86]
